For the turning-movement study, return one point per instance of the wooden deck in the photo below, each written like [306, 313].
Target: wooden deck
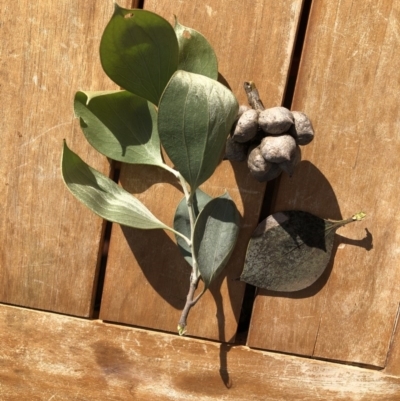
[56, 346]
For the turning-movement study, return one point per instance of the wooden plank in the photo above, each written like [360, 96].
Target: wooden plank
[89, 360]
[145, 272]
[393, 360]
[50, 243]
[348, 84]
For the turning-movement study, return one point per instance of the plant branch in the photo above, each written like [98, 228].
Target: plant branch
[192, 221]
[186, 239]
[190, 302]
[184, 186]
[189, 202]
[195, 275]
[169, 169]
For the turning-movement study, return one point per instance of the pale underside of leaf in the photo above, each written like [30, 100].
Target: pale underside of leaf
[103, 196]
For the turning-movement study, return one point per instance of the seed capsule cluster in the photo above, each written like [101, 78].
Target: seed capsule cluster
[268, 138]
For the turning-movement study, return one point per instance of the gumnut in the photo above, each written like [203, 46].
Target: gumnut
[235, 151]
[289, 166]
[259, 168]
[273, 172]
[302, 130]
[278, 149]
[246, 127]
[242, 109]
[276, 120]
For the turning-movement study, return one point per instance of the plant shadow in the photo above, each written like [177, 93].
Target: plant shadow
[318, 198]
[140, 178]
[170, 283]
[282, 194]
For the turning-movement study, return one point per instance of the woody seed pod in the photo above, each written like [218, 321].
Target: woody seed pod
[288, 166]
[278, 149]
[302, 130]
[242, 109]
[273, 172]
[259, 168]
[276, 120]
[246, 127]
[274, 135]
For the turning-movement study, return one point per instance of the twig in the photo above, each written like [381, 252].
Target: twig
[252, 96]
[195, 275]
[190, 302]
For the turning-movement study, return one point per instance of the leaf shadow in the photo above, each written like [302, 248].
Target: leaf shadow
[221, 79]
[142, 177]
[177, 276]
[170, 283]
[318, 198]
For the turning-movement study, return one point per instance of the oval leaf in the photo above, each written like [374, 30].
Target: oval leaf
[182, 221]
[103, 196]
[215, 234]
[120, 125]
[290, 250]
[195, 53]
[194, 118]
[139, 51]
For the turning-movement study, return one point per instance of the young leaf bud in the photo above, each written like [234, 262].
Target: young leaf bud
[302, 130]
[235, 151]
[288, 166]
[278, 149]
[246, 127]
[259, 168]
[276, 120]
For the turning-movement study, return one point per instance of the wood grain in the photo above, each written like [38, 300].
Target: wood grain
[146, 279]
[82, 360]
[348, 84]
[393, 358]
[49, 243]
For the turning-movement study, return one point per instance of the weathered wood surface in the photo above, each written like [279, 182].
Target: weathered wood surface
[49, 243]
[81, 360]
[393, 359]
[349, 85]
[146, 279]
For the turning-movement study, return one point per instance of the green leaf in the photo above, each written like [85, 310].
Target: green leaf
[290, 250]
[120, 125]
[195, 53]
[139, 51]
[182, 221]
[215, 234]
[103, 196]
[194, 118]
